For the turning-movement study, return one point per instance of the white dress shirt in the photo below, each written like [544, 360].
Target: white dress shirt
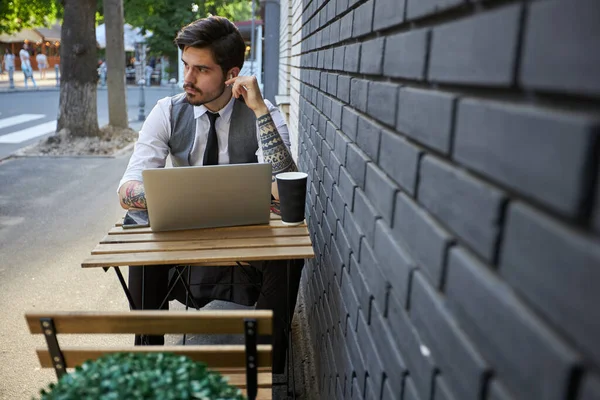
[152, 147]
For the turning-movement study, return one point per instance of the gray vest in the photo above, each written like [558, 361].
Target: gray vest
[242, 145]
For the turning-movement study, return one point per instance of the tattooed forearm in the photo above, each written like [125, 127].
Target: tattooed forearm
[274, 150]
[133, 195]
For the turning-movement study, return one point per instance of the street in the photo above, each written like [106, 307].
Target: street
[28, 116]
[53, 211]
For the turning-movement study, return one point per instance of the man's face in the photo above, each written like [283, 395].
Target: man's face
[204, 81]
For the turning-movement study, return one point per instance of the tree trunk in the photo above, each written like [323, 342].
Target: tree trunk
[78, 112]
[115, 61]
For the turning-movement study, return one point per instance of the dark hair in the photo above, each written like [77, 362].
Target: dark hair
[218, 34]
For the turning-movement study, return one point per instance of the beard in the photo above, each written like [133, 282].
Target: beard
[199, 98]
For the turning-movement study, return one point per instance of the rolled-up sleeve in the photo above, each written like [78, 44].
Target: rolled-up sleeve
[152, 147]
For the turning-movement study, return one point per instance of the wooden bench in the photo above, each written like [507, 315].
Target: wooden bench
[247, 366]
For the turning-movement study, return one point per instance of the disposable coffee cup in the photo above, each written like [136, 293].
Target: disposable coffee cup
[292, 196]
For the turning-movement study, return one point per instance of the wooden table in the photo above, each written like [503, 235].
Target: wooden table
[200, 247]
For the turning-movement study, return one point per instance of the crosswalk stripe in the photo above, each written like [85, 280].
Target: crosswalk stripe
[19, 119]
[29, 133]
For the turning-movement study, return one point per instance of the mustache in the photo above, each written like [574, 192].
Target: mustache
[191, 86]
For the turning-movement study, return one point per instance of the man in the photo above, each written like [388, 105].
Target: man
[26, 65]
[193, 128]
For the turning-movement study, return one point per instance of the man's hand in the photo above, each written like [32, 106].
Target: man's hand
[247, 87]
[132, 195]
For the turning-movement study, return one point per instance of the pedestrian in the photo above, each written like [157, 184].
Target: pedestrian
[217, 101]
[9, 65]
[42, 63]
[26, 65]
[148, 73]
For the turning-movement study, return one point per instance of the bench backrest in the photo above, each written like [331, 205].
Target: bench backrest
[249, 357]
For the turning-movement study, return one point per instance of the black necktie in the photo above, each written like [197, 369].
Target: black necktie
[211, 153]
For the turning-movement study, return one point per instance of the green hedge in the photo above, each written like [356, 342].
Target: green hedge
[148, 376]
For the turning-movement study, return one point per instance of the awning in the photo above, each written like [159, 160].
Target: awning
[51, 34]
[25, 34]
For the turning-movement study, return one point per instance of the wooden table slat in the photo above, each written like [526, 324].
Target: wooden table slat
[198, 256]
[137, 247]
[200, 234]
[272, 216]
[274, 223]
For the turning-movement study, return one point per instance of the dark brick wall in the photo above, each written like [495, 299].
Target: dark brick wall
[453, 155]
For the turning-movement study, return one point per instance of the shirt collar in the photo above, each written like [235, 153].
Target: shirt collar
[224, 113]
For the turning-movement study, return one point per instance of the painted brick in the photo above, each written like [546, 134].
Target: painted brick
[327, 104]
[497, 391]
[363, 19]
[359, 283]
[356, 390]
[352, 57]
[394, 261]
[405, 54]
[382, 100]
[336, 259]
[356, 163]
[365, 215]
[338, 202]
[381, 191]
[338, 58]
[349, 122]
[420, 367]
[425, 240]
[371, 57]
[375, 280]
[346, 26]
[468, 206]
[367, 137]
[420, 8]
[343, 242]
[388, 13]
[570, 61]
[323, 82]
[391, 359]
[590, 388]
[481, 49]
[415, 110]
[346, 187]
[332, 84]
[441, 390]
[515, 341]
[328, 60]
[359, 89]
[504, 142]
[374, 364]
[334, 166]
[354, 233]
[456, 356]
[350, 300]
[535, 253]
[343, 88]
[328, 181]
[410, 390]
[336, 111]
[341, 6]
[596, 217]
[399, 159]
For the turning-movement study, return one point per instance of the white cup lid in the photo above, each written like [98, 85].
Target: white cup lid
[290, 176]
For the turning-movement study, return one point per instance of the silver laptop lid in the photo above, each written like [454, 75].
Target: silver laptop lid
[208, 196]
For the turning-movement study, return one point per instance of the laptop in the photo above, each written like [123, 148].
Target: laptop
[208, 196]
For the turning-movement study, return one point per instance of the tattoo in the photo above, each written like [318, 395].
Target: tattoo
[135, 196]
[274, 150]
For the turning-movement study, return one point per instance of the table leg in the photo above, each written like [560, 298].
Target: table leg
[132, 305]
[289, 348]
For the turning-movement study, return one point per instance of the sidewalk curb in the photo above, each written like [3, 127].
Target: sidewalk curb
[119, 153]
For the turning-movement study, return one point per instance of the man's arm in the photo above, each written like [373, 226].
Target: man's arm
[132, 195]
[274, 149]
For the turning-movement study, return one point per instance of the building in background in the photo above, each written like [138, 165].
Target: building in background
[46, 40]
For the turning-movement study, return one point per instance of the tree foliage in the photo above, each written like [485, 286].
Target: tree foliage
[19, 14]
[164, 18]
